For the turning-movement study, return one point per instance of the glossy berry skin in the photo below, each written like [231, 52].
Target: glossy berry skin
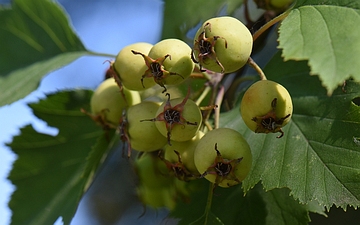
[232, 44]
[144, 136]
[257, 107]
[179, 61]
[130, 67]
[235, 161]
[108, 101]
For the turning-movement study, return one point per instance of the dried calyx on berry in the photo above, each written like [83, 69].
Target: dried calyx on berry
[266, 107]
[168, 62]
[178, 119]
[222, 44]
[223, 156]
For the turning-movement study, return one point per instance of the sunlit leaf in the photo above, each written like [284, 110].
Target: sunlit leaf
[345, 3]
[36, 38]
[327, 35]
[317, 158]
[52, 172]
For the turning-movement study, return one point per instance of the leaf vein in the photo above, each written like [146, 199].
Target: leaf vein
[327, 29]
[44, 26]
[326, 118]
[325, 167]
[26, 38]
[330, 172]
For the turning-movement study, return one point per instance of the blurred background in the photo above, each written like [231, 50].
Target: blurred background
[104, 26]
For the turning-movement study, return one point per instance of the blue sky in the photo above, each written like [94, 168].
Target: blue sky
[103, 26]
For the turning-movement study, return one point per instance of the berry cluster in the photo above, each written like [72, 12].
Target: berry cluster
[174, 137]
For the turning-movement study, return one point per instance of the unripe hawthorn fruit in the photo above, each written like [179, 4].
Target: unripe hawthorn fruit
[266, 107]
[185, 150]
[223, 156]
[130, 67]
[109, 101]
[151, 171]
[144, 136]
[157, 197]
[178, 119]
[151, 196]
[222, 44]
[179, 62]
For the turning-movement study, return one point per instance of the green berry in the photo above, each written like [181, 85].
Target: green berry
[222, 44]
[178, 119]
[144, 136]
[266, 107]
[178, 63]
[224, 156]
[186, 152]
[109, 102]
[130, 67]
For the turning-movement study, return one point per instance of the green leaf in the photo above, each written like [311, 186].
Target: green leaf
[317, 158]
[315, 207]
[208, 219]
[192, 211]
[52, 172]
[229, 206]
[181, 16]
[326, 36]
[233, 207]
[35, 39]
[283, 209]
[346, 3]
[21, 82]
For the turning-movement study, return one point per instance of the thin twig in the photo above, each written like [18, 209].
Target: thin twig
[218, 101]
[203, 95]
[257, 68]
[270, 23]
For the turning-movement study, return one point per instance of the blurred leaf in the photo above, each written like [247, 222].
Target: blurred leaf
[52, 172]
[326, 34]
[35, 39]
[21, 82]
[191, 211]
[317, 158]
[230, 206]
[181, 16]
[208, 219]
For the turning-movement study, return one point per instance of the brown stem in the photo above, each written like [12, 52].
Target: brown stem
[257, 68]
[270, 23]
[218, 101]
[197, 75]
